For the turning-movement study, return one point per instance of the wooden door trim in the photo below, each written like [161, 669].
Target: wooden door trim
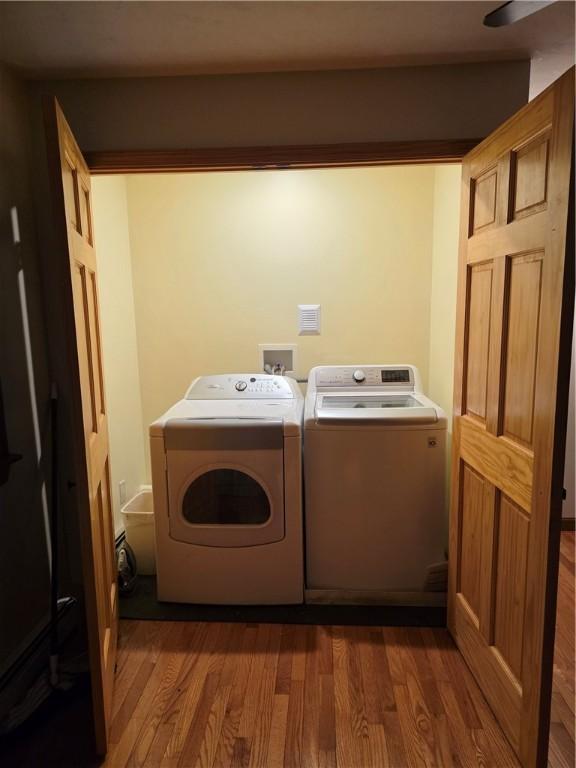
[288, 156]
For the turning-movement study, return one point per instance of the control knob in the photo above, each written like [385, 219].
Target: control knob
[241, 386]
[359, 376]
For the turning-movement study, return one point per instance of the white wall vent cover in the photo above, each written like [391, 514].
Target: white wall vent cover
[308, 319]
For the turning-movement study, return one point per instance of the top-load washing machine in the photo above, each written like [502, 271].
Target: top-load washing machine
[374, 469]
[226, 478]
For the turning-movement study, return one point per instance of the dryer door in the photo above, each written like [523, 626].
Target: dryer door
[225, 481]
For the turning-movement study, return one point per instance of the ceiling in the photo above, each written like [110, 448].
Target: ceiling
[124, 39]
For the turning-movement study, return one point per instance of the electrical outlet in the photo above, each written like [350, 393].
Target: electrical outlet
[122, 491]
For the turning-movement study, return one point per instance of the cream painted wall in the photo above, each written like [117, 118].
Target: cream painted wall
[220, 262]
[443, 286]
[119, 345]
[443, 290]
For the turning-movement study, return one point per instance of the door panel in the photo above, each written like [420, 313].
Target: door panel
[515, 296]
[70, 180]
[473, 492]
[484, 199]
[511, 535]
[530, 176]
[478, 340]
[521, 344]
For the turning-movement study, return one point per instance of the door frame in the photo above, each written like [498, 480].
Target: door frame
[281, 157]
[319, 156]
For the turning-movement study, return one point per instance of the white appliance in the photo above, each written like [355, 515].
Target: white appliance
[227, 484]
[374, 468]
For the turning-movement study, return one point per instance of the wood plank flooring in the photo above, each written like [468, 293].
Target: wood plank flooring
[561, 752]
[226, 695]
[273, 695]
[296, 696]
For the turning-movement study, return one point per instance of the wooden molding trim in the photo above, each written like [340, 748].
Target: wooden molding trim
[568, 524]
[304, 156]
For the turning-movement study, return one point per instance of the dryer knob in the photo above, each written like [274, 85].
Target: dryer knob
[359, 376]
[241, 386]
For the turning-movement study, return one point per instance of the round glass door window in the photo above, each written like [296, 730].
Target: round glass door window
[225, 497]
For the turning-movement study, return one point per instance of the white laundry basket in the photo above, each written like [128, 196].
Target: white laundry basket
[138, 515]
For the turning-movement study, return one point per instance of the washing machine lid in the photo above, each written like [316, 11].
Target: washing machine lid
[385, 408]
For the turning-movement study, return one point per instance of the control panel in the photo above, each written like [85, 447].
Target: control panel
[241, 386]
[387, 377]
[258, 385]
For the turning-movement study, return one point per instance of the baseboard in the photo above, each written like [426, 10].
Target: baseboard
[568, 524]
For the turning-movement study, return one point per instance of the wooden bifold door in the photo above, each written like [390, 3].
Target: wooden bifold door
[515, 304]
[515, 296]
[73, 230]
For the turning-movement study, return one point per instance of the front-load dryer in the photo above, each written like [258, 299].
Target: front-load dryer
[374, 468]
[227, 484]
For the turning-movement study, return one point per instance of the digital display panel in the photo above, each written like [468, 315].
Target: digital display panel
[396, 376]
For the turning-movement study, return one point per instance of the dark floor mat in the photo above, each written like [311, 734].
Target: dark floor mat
[142, 604]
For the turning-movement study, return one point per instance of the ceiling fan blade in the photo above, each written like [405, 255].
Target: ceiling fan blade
[514, 11]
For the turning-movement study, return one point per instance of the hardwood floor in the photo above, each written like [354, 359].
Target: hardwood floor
[561, 752]
[270, 695]
[232, 695]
